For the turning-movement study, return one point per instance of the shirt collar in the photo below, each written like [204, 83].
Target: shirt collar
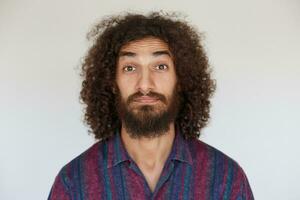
[180, 148]
[116, 152]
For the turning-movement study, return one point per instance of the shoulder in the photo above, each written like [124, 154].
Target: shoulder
[83, 170]
[214, 161]
[222, 172]
[203, 152]
[80, 166]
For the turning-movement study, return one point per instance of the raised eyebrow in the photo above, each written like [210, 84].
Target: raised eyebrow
[164, 52]
[126, 53]
[155, 53]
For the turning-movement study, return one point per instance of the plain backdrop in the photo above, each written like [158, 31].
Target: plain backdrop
[253, 47]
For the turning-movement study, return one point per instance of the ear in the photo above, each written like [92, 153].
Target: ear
[178, 87]
[114, 88]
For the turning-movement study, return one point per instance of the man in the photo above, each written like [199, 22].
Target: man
[146, 88]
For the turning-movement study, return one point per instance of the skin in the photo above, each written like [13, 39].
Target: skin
[140, 69]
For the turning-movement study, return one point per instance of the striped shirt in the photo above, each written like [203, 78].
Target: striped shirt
[193, 170]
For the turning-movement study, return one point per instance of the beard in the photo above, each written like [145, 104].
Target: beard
[144, 120]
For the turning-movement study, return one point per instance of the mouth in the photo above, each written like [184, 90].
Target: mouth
[147, 100]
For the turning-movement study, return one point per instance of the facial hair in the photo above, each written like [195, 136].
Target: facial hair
[148, 121]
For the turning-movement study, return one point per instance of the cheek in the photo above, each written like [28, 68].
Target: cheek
[166, 83]
[125, 88]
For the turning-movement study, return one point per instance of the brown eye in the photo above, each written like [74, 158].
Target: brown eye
[129, 68]
[162, 66]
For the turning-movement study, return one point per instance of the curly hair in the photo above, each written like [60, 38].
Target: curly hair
[99, 69]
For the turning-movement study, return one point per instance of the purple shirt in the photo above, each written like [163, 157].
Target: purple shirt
[193, 170]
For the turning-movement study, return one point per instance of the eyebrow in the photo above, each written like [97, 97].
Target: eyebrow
[156, 53]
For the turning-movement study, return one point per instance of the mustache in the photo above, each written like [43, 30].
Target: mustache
[156, 95]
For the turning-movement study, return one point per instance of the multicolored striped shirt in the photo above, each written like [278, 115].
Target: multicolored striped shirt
[193, 170]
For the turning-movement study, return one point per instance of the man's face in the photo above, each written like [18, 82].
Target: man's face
[147, 96]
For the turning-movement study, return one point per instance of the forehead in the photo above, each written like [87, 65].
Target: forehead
[149, 45]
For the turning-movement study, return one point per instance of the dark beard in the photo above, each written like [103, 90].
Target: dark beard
[147, 122]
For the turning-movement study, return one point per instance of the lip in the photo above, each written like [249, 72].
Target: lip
[146, 100]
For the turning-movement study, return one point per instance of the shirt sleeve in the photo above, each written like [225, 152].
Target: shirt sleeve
[245, 191]
[60, 189]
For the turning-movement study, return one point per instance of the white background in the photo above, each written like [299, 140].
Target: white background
[253, 47]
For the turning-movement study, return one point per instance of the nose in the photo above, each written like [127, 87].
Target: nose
[145, 82]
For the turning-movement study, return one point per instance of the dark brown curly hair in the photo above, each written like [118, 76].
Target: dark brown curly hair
[190, 61]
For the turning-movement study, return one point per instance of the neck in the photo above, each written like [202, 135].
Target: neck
[149, 152]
